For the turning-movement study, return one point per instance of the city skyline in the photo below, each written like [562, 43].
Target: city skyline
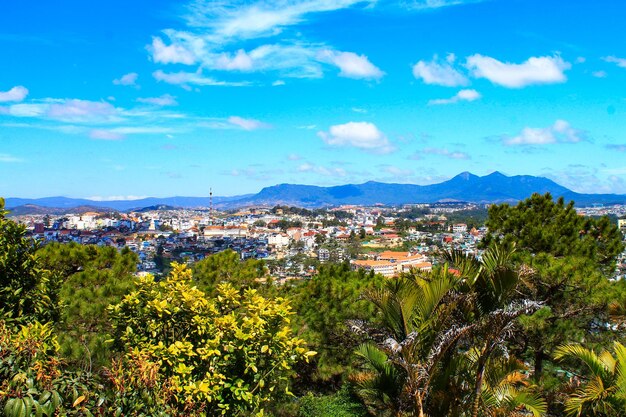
[123, 101]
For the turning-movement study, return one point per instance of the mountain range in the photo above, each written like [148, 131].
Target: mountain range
[467, 187]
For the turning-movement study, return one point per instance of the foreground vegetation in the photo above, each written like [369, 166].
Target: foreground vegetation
[533, 327]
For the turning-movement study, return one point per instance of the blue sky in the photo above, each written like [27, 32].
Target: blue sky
[122, 99]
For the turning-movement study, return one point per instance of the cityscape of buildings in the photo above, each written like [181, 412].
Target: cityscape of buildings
[292, 241]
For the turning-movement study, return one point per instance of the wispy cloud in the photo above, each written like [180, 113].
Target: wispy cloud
[129, 79]
[362, 135]
[186, 79]
[435, 4]
[170, 54]
[17, 93]
[535, 70]
[227, 21]
[463, 95]
[164, 100]
[103, 134]
[66, 110]
[560, 131]
[397, 172]
[441, 152]
[247, 124]
[351, 64]
[116, 197]
[621, 147]
[216, 31]
[7, 158]
[440, 72]
[620, 62]
[322, 170]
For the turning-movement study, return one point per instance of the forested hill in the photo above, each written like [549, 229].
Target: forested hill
[492, 188]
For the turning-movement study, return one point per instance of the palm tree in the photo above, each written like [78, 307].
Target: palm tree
[493, 307]
[417, 332]
[603, 392]
[429, 321]
[506, 391]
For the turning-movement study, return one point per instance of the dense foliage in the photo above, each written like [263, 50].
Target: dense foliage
[227, 267]
[222, 356]
[531, 327]
[93, 278]
[27, 290]
[324, 305]
[541, 225]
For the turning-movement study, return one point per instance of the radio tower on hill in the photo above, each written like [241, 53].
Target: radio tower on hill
[210, 206]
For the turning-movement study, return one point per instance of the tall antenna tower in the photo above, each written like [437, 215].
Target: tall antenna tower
[211, 206]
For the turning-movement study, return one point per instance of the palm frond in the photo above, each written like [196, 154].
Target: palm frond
[584, 355]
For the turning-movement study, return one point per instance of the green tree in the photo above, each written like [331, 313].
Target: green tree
[93, 277]
[33, 380]
[27, 290]
[603, 391]
[429, 319]
[227, 266]
[541, 225]
[569, 257]
[227, 355]
[493, 286]
[324, 305]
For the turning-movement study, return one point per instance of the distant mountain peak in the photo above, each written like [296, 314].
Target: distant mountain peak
[493, 188]
[496, 174]
[465, 176]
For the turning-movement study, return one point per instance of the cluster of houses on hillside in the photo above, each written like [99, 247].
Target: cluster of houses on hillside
[329, 235]
[191, 235]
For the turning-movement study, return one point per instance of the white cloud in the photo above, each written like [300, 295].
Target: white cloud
[86, 111]
[27, 109]
[164, 100]
[439, 73]
[362, 135]
[560, 131]
[185, 79]
[322, 170]
[240, 61]
[297, 60]
[67, 110]
[535, 70]
[599, 74]
[238, 20]
[214, 26]
[103, 134]
[172, 54]
[435, 4]
[17, 93]
[620, 62]
[142, 130]
[463, 95]
[247, 124]
[127, 79]
[442, 152]
[117, 198]
[294, 157]
[396, 171]
[351, 64]
[278, 83]
[6, 158]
